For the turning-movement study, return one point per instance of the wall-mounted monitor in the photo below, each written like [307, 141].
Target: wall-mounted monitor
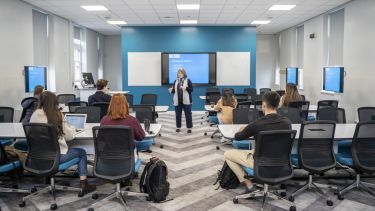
[200, 67]
[35, 75]
[292, 75]
[333, 79]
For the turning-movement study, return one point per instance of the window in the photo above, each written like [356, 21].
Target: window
[77, 46]
[335, 38]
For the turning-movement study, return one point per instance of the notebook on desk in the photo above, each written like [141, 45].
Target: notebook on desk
[76, 120]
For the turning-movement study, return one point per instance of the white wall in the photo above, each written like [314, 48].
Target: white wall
[266, 60]
[359, 62]
[112, 61]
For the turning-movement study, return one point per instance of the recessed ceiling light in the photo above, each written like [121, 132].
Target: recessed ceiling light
[95, 8]
[260, 22]
[188, 21]
[282, 7]
[188, 6]
[117, 22]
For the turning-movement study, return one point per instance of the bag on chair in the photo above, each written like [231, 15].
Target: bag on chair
[154, 180]
[226, 178]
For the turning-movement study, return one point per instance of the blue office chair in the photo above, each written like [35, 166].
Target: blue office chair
[43, 159]
[361, 159]
[272, 164]
[244, 116]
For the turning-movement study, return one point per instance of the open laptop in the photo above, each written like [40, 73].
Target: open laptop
[76, 120]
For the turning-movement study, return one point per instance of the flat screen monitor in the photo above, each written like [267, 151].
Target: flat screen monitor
[292, 75]
[87, 79]
[35, 75]
[200, 67]
[333, 79]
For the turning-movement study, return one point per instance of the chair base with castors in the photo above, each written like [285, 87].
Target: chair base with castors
[118, 194]
[358, 184]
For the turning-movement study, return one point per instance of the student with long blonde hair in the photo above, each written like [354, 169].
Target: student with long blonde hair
[291, 94]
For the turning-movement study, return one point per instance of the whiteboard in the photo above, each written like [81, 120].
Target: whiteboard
[144, 69]
[233, 68]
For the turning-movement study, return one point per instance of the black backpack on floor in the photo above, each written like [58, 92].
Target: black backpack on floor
[226, 178]
[154, 180]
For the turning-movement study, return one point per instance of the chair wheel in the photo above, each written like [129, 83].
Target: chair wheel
[161, 146]
[283, 194]
[329, 203]
[159, 134]
[205, 134]
[81, 194]
[148, 198]
[53, 207]
[292, 208]
[235, 201]
[94, 196]
[90, 209]
[33, 190]
[217, 148]
[22, 204]
[291, 198]
[283, 186]
[339, 197]
[212, 136]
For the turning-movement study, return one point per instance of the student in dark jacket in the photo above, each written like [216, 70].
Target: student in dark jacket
[100, 95]
[271, 121]
[30, 104]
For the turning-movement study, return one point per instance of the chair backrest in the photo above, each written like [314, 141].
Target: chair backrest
[143, 112]
[6, 114]
[315, 146]
[93, 113]
[303, 97]
[65, 98]
[43, 154]
[129, 99]
[229, 90]
[212, 89]
[280, 92]
[293, 114]
[258, 105]
[103, 108]
[363, 147]
[244, 104]
[74, 105]
[114, 152]
[333, 114]
[149, 99]
[212, 97]
[242, 97]
[303, 106]
[244, 115]
[326, 103]
[262, 91]
[250, 91]
[272, 157]
[341, 117]
[366, 114]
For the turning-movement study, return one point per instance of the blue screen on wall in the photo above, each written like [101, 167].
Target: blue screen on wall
[333, 79]
[34, 76]
[292, 75]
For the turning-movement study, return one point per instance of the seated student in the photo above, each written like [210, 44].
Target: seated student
[48, 112]
[118, 114]
[31, 104]
[271, 121]
[100, 95]
[291, 94]
[225, 106]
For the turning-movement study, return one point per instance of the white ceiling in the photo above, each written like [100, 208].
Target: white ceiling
[164, 12]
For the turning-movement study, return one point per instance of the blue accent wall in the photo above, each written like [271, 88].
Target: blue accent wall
[185, 39]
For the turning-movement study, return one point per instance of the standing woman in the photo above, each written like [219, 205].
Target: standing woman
[182, 89]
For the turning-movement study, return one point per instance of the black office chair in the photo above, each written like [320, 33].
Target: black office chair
[262, 91]
[293, 114]
[93, 113]
[333, 114]
[103, 108]
[241, 97]
[66, 98]
[244, 104]
[303, 106]
[143, 112]
[366, 114]
[315, 154]
[341, 116]
[6, 115]
[303, 98]
[272, 164]
[211, 99]
[32, 105]
[130, 99]
[326, 103]
[280, 92]
[43, 159]
[250, 91]
[244, 116]
[258, 106]
[227, 90]
[74, 105]
[149, 99]
[212, 89]
[114, 160]
[361, 159]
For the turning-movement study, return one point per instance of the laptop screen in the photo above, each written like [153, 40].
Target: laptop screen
[76, 120]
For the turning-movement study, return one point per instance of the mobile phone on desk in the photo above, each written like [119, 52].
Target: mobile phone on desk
[147, 124]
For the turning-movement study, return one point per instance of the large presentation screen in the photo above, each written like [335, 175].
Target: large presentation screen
[333, 79]
[200, 67]
[292, 75]
[34, 76]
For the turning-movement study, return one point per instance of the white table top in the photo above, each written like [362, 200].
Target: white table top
[118, 92]
[15, 130]
[312, 108]
[343, 131]
[202, 97]
[157, 109]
